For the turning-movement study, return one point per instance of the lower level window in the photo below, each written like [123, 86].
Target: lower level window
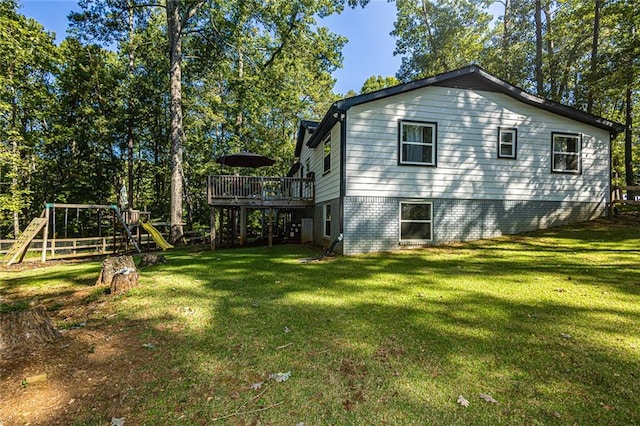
[327, 220]
[416, 221]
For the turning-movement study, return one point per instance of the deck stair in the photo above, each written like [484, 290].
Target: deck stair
[19, 248]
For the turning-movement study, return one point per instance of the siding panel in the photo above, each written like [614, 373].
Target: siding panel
[467, 161]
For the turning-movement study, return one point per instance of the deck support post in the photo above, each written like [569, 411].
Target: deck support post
[270, 227]
[212, 236]
[243, 225]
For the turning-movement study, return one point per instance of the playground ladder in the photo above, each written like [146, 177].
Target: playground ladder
[18, 249]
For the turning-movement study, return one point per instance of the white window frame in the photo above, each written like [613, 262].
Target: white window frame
[429, 221]
[577, 154]
[432, 144]
[326, 165]
[514, 142]
[327, 220]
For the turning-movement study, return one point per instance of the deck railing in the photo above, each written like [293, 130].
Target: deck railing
[260, 190]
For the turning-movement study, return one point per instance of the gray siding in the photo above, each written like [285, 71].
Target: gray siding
[372, 223]
[318, 224]
[327, 184]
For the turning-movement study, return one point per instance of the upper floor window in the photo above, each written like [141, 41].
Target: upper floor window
[418, 143]
[307, 167]
[327, 155]
[507, 142]
[566, 153]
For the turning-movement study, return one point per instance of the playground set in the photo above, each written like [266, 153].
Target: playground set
[115, 230]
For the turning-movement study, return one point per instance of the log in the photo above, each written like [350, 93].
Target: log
[28, 326]
[111, 266]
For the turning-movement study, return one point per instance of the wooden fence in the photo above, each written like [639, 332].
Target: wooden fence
[625, 195]
[77, 247]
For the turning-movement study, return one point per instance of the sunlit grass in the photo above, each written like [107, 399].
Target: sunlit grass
[547, 324]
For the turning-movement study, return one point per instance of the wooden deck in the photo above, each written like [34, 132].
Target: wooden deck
[260, 191]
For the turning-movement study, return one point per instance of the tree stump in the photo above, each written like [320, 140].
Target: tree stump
[152, 260]
[112, 266]
[26, 327]
[123, 282]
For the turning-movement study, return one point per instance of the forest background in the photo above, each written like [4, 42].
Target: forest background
[182, 82]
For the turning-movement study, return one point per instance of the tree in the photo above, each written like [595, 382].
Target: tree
[239, 28]
[86, 136]
[374, 83]
[434, 37]
[27, 58]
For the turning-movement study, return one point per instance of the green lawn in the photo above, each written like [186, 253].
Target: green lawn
[548, 324]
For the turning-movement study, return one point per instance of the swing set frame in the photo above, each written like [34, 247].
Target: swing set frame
[49, 214]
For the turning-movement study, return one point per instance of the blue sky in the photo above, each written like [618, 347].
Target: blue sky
[368, 52]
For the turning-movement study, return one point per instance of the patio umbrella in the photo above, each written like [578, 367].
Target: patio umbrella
[245, 159]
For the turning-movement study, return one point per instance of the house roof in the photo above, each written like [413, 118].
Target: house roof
[470, 77]
[305, 126]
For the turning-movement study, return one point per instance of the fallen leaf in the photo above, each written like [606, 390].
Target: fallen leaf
[488, 398]
[462, 401]
[256, 386]
[280, 377]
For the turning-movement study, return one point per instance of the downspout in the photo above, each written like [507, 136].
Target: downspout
[342, 117]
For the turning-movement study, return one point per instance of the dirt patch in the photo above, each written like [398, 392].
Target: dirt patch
[91, 373]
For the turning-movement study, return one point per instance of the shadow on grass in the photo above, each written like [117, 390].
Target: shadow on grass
[409, 354]
[387, 338]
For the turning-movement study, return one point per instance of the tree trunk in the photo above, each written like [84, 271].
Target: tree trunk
[539, 77]
[130, 121]
[628, 158]
[174, 26]
[551, 62]
[594, 55]
[506, 42]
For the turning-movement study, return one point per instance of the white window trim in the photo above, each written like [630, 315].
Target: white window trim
[433, 143]
[577, 154]
[514, 142]
[400, 222]
[324, 221]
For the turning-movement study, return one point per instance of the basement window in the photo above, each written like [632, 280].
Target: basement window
[416, 222]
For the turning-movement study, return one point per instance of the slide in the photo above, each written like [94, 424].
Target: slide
[155, 234]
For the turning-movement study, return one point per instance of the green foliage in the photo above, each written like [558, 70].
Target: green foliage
[435, 37]
[374, 83]
[27, 59]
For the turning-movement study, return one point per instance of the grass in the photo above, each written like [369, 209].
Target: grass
[546, 323]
